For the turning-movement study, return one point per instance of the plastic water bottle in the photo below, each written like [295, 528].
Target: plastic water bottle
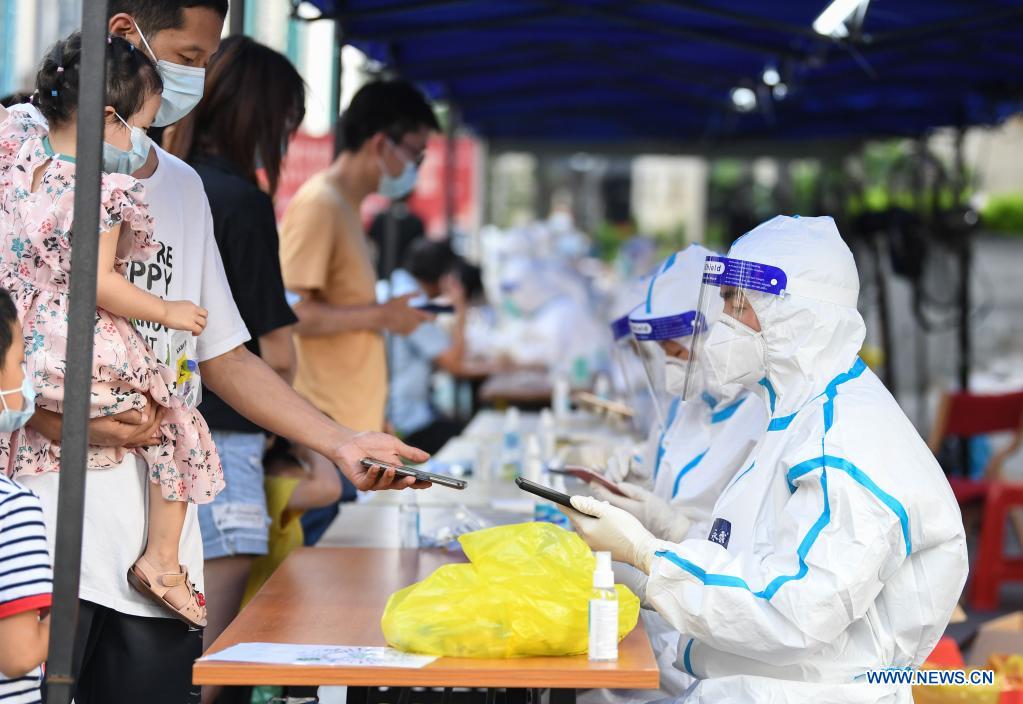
[603, 645]
[602, 386]
[408, 519]
[511, 451]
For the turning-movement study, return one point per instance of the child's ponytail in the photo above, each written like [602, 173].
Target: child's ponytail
[131, 78]
[57, 80]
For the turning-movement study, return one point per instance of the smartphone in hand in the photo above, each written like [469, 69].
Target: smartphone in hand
[419, 474]
[544, 492]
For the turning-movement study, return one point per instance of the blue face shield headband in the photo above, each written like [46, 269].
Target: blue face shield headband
[764, 278]
[620, 328]
[722, 271]
[669, 327]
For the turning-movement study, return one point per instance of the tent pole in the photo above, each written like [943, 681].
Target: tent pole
[60, 675]
[965, 265]
[450, 155]
[237, 18]
[335, 85]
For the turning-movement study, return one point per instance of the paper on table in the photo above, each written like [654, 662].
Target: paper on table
[330, 655]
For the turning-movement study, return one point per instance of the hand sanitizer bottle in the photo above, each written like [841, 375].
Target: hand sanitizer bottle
[603, 612]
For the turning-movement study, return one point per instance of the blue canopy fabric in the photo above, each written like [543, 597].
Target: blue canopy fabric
[607, 71]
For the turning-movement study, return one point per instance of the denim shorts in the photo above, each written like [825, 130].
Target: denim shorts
[236, 521]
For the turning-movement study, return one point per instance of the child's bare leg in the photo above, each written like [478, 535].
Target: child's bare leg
[166, 521]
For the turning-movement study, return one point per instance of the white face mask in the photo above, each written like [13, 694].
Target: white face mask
[735, 353]
[182, 87]
[675, 370]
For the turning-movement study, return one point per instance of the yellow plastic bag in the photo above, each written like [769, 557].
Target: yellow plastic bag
[525, 593]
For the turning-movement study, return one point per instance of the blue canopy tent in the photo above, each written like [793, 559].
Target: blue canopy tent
[664, 71]
[701, 76]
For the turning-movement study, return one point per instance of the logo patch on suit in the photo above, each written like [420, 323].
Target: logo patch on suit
[720, 532]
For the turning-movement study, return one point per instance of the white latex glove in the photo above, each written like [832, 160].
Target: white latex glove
[611, 529]
[665, 521]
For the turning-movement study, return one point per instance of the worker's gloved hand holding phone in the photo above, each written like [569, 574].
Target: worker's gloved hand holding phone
[603, 526]
[665, 521]
[606, 527]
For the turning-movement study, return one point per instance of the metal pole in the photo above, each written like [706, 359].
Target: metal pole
[450, 166]
[335, 85]
[60, 675]
[965, 267]
[237, 17]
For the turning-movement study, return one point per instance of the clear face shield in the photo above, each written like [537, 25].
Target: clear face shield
[730, 350]
[649, 333]
[651, 357]
[621, 352]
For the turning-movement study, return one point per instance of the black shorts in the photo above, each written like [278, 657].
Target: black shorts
[122, 659]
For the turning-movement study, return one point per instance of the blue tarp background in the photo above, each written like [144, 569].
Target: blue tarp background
[616, 70]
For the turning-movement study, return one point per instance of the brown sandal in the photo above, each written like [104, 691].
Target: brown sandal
[154, 585]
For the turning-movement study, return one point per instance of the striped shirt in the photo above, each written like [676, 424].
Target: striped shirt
[26, 579]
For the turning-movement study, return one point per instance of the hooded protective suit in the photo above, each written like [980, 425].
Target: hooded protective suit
[839, 549]
[703, 441]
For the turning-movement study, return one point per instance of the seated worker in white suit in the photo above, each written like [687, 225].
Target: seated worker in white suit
[702, 444]
[840, 548]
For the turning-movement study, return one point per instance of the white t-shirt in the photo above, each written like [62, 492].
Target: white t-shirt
[188, 267]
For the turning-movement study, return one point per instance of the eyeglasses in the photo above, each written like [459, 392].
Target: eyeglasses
[415, 157]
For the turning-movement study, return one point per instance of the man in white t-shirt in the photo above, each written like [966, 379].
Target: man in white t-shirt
[128, 650]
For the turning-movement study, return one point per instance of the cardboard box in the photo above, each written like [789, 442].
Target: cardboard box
[1000, 636]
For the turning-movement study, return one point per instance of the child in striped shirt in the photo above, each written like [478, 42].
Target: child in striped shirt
[26, 579]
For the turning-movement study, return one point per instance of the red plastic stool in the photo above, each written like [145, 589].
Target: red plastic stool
[967, 490]
[992, 567]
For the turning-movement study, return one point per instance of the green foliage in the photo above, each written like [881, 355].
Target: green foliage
[1004, 213]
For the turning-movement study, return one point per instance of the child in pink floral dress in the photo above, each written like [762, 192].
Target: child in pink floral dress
[37, 179]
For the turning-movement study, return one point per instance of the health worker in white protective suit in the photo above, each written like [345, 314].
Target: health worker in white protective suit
[700, 448]
[628, 374]
[705, 439]
[549, 325]
[839, 550]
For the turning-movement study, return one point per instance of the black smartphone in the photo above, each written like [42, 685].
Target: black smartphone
[435, 308]
[419, 474]
[544, 492]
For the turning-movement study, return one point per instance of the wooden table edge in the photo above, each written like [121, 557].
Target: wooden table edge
[232, 673]
[443, 672]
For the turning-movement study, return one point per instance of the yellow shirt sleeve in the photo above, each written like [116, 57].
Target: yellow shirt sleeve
[307, 239]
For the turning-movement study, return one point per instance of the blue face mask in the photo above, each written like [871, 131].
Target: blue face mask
[118, 161]
[395, 187]
[182, 87]
[11, 420]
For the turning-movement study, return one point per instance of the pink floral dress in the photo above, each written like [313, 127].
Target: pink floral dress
[35, 262]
